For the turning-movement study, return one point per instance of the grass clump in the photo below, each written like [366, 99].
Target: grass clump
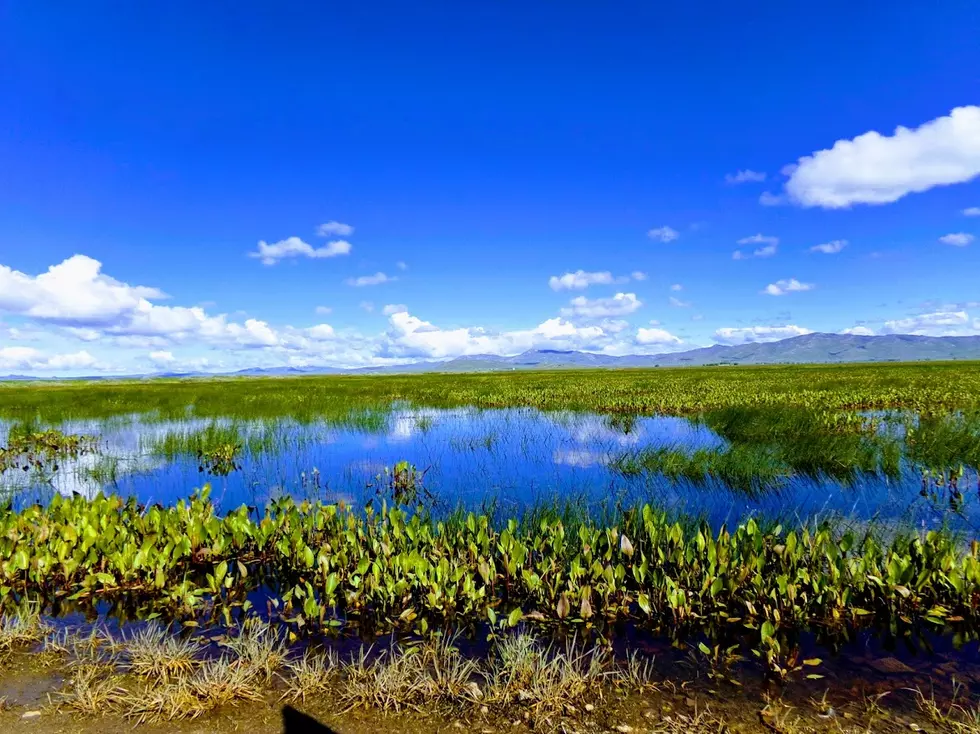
[410, 677]
[155, 653]
[311, 675]
[23, 626]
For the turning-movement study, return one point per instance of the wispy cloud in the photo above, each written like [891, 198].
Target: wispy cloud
[581, 279]
[619, 305]
[394, 308]
[972, 211]
[323, 310]
[270, 254]
[663, 234]
[789, 285]
[830, 248]
[677, 287]
[751, 334]
[769, 247]
[365, 280]
[746, 176]
[334, 229]
[957, 239]
[678, 303]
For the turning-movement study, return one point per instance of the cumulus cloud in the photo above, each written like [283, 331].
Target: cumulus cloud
[621, 304]
[365, 280]
[334, 228]
[410, 336]
[957, 239]
[30, 359]
[393, 308]
[162, 357]
[972, 211]
[938, 323]
[751, 334]
[788, 285]
[830, 248]
[663, 234]
[270, 254]
[581, 279]
[859, 331]
[74, 292]
[879, 169]
[746, 176]
[655, 336]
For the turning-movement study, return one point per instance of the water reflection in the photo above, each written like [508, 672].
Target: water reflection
[508, 457]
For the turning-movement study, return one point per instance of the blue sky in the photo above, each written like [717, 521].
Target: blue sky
[524, 175]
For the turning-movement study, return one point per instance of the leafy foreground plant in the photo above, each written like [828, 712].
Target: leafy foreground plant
[391, 569]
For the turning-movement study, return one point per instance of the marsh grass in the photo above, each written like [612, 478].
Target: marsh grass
[23, 626]
[258, 648]
[154, 652]
[314, 674]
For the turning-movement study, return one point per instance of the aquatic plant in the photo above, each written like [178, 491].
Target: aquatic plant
[32, 449]
[385, 569]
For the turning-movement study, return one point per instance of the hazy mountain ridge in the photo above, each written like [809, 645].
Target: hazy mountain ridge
[807, 349]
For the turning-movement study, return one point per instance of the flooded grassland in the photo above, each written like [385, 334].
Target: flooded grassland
[775, 549]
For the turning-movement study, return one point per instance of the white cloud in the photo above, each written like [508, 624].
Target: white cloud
[295, 247]
[939, 323]
[663, 234]
[162, 357]
[878, 169]
[334, 229]
[72, 292]
[579, 279]
[377, 279]
[413, 337]
[972, 211]
[790, 285]
[401, 265]
[767, 251]
[745, 176]
[28, 358]
[323, 310]
[767, 198]
[321, 332]
[655, 336]
[677, 287]
[758, 239]
[619, 305]
[957, 239]
[752, 334]
[366, 306]
[678, 303]
[393, 308]
[859, 331]
[830, 248]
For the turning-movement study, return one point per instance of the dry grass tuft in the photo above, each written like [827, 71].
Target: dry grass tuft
[260, 648]
[154, 652]
[23, 627]
[311, 675]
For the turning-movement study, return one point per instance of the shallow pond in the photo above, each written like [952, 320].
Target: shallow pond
[509, 459]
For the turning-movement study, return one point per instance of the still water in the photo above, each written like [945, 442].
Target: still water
[506, 458]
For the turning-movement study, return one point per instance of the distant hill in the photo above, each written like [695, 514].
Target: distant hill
[807, 349]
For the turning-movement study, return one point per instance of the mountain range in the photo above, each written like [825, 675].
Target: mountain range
[807, 349]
